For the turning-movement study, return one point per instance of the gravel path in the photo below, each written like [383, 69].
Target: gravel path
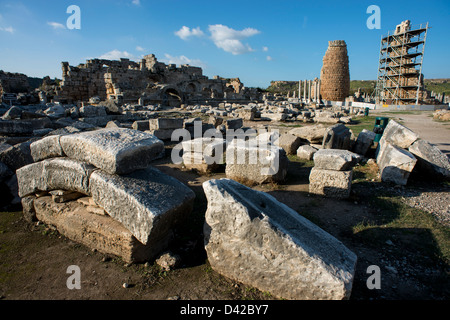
[436, 202]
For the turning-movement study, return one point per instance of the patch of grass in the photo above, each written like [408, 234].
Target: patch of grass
[412, 227]
[362, 123]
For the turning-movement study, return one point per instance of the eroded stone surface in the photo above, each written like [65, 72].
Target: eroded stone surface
[252, 238]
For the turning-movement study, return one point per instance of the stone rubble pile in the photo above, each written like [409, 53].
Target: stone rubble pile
[332, 173]
[138, 204]
[400, 150]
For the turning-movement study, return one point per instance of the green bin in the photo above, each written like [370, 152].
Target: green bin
[366, 112]
[380, 125]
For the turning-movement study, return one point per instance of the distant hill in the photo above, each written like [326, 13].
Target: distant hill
[368, 86]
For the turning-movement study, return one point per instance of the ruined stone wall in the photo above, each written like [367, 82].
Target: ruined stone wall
[13, 83]
[148, 81]
[335, 74]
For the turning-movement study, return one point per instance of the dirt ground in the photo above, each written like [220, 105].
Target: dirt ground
[34, 258]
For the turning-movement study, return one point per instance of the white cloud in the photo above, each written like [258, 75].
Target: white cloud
[136, 2]
[185, 32]
[139, 48]
[265, 49]
[7, 29]
[183, 60]
[56, 25]
[229, 39]
[116, 55]
[269, 58]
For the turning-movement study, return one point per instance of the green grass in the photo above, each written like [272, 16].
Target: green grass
[362, 123]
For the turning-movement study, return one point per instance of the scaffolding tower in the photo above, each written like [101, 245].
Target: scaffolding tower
[400, 79]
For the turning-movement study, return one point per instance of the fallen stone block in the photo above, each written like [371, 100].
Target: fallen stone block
[399, 135]
[102, 233]
[335, 159]
[118, 151]
[141, 125]
[15, 127]
[430, 159]
[252, 238]
[147, 202]
[313, 134]
[306, 152]
[166, 123]
[54, 174]
[17, 156]
[289, 143]
[364, 142]
[395, 164]
[45, 148]
[330, 183]
[29, 214]
[234, 123]
[255, 164]
[337, 137]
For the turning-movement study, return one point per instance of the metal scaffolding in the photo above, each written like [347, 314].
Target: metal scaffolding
[400, 78]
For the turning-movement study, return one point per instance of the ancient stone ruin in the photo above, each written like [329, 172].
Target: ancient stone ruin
[98, 188]
[335, 75]
[146, 82]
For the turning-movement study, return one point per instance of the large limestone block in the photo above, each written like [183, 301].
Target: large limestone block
[335, 159]
[330, 183]
[212, 149]
[255, 164]
[45, 148]
[430, 159]
[289, 143]
[166, 123]
[118, 151]
[102, 233]
[399, 135]
[17, 156]
[252, 238]
[147, 202]
[395, 164]
[364, 142]
[337, 137]
[54, 174]
[314, 134]
[306, 152]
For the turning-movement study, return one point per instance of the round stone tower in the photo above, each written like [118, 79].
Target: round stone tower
[335, 74]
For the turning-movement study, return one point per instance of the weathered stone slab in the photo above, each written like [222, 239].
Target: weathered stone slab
[337, 137]
[47, 147]
[15, 127]
[102, 233]
[234, 123]
[330, 183]
[166, 123]
[147, 202]
[255, 164]
[29, 214]
[54, 174]
[313, 134]
[364, 142]
[399, 135]
[118, 151]
[289, 143]
[141, 125]
[18, 155]
[335, 159]
[212, 149]
[395, 163]
[306, 152]
[430, 159]
[252, 238]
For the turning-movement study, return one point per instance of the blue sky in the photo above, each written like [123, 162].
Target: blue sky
[257, 41]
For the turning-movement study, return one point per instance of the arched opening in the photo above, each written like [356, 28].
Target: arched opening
[172, 98]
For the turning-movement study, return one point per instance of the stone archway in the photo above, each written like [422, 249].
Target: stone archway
[172, 98]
